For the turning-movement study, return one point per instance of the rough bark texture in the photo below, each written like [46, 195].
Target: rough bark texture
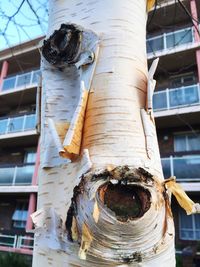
[109, 206]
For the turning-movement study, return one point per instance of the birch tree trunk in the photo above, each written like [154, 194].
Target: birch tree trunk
[102, 199]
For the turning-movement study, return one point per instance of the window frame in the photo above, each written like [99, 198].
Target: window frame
[186, 135]
[31, 150]
[182, 77]
[193, 229]
[21, 206]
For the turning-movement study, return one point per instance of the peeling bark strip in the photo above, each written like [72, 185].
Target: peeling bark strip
[184, 201]
[71, 50]
[113, 192]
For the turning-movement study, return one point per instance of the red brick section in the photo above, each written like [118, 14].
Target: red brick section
[198, 63]
[193, 7]
[33, 197]
[16, 250]
[4, 71]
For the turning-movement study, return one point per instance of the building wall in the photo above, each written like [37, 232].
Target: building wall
[13, 148]
[166, 140]
[164, 80]
[15, 155]
[169, 19]
[8, 204]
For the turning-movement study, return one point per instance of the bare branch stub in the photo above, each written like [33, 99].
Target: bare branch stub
[126, 201]
[122, 193]
[64, 45]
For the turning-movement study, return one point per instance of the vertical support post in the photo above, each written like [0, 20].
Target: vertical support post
[194, 14]
[167, 96]
[24, 123]
[14, 175]
[3, 74]
[198, 63]
[198, 92]
[16, 80]
[171, 166]
[164, 41]
[31, 209]
[15, 241]
[18, 242]
[37, 164]
[33, 197]
[31, 79]
[7, 126]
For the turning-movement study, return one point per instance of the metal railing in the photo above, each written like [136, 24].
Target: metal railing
[16, 175]
[186, 168]
[25, 242]
[176, 97]
[17, 124]
[25, 80]
[170, 40]
[15, 241]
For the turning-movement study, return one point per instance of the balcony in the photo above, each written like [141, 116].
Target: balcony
[177, 97]
[22, 81]
[177, 107]
[17, 124]
[16, 175]
[166, 42]
[186, 168]
[15, 242]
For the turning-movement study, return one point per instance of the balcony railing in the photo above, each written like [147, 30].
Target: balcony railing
[186, 168]
[170, 40]
[25, 80]
[178, 97]
[14, 241]
[17, 124]
[16, 175]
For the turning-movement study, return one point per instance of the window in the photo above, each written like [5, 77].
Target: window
[30, 156]
[189, 226]
[155, 44]
[24, 79]
[9, 83]
[15, 124]
[184, 96]
[20, 215]
[183, 80]
[179, 37]
[187, 142]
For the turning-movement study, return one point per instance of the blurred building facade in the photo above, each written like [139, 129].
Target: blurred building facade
[173, 35]
[19, 149]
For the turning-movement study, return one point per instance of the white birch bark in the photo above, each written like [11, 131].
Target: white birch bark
[119, 131]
